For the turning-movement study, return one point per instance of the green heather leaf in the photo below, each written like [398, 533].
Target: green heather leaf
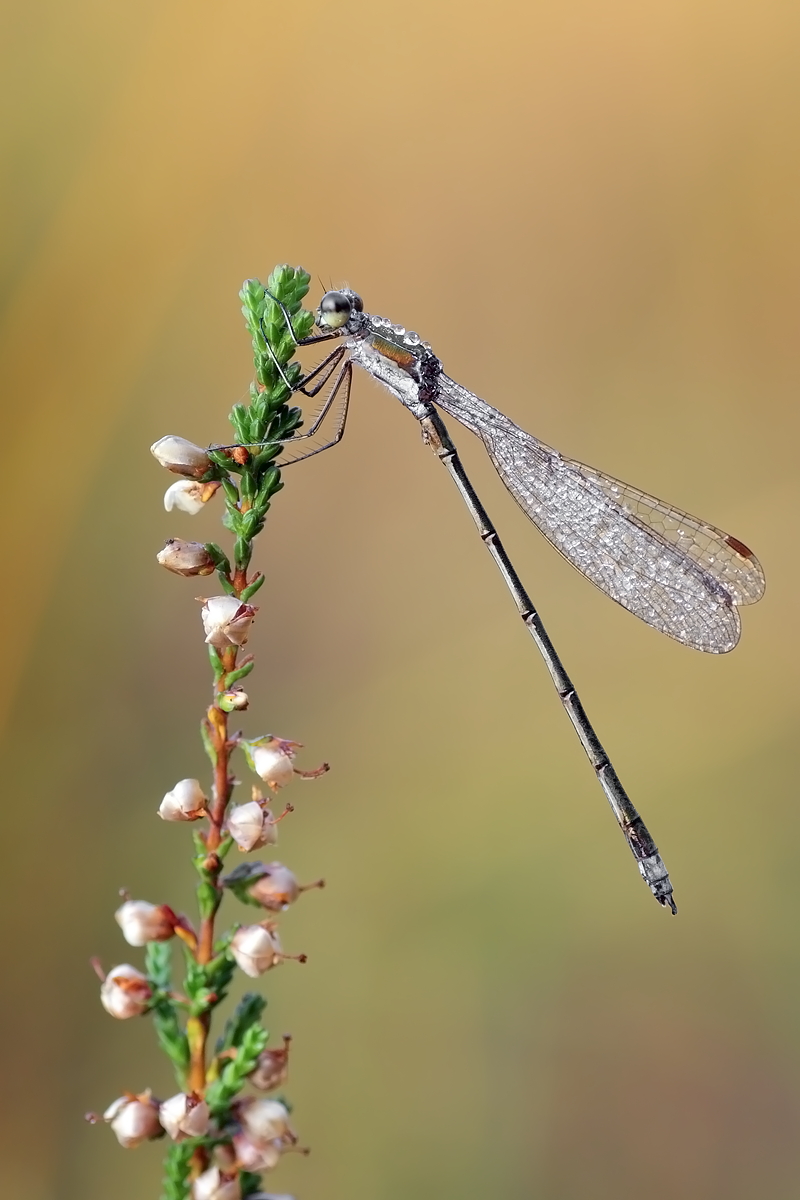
[176, 1172]
[240, 420]
[243, 552]
[250, 1184]
[234, 676]
[220, 973]
[270, 477]
[247, 1012]
[249, 591]
[208, 899]
[216, 662]
[158, 964]
[171, 1037]
[218, 556]
[234, 1074]
[231, 491]
[250, 523]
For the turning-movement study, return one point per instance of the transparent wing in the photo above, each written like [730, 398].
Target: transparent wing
[724, 557]
[680, 575]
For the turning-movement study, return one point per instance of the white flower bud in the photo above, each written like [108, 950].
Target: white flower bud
[272, 1068]
[185, 1116]
[125, 992]
[256, 949]
[226, 621]
[185, 558]
[186, 802]
[275, 888]
[188, 496]
[180, 456]
[134, 1119]
[235, 699]
[142, 922]
[251, 825]
[273, 760]
[214, 1184]
[255, 1156]
[265, 1120]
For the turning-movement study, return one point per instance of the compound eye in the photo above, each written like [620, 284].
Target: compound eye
[357, 302]
[334, 310]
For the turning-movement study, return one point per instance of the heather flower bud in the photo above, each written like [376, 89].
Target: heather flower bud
[185, 1116]
[252, 825]
[256, 1156]
[226, 621]
[273, 759]
[234, 699]
[188, 496]
[265, 1120]
[142, 922]
[180, 456]
[186, 802]
[256, 949]
[214, 1184]
[185, 558]
[275, 888]
[134, 1119]
[125, 992]
[272, 1068]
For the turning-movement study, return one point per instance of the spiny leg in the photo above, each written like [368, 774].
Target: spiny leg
[343, 380]
[308, 341]
[331, 362]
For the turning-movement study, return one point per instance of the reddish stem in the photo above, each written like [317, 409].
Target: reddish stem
[217, 722]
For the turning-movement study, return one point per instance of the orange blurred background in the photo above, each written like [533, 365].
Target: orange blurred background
[590, 209]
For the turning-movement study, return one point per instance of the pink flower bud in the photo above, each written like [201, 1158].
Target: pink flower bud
[125, 992]
[256, 1156]
[256, 949]
[188, 496]
[214, 1184]
[252, 825]
[180, 456]
[186, 802]
[142, 922]
[134, 1119]
[226, 621]
[272, 1068]
[185, 1116]
[275, 887]
[265, 1120]
[185, 558]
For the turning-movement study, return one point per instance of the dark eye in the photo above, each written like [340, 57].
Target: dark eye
[334, 310]
[357, 302]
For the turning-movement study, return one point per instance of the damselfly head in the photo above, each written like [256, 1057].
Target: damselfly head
[336, 308]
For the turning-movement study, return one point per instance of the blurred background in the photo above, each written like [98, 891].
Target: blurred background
[591, 211]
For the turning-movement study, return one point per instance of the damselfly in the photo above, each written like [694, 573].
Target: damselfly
[681, 575]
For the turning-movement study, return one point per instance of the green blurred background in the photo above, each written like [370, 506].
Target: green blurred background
[591, 210]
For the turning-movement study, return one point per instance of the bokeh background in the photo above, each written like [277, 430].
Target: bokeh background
[591, 210]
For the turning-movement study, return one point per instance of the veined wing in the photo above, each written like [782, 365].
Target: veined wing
[680, 575]
[723, 556]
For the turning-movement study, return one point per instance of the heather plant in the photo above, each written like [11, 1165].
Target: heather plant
[223, 1126]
